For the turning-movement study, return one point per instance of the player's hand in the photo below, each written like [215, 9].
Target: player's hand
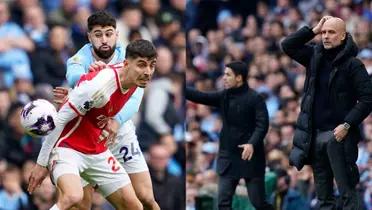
[248, 150]
[318, 28]
[110, 131]
[60, 95]
[97, 66]
[340, 133]
[37, 176]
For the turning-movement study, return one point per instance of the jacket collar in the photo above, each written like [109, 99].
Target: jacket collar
[350, 49]
[240, 89]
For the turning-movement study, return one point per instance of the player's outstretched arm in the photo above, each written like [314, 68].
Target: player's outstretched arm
[39, 172]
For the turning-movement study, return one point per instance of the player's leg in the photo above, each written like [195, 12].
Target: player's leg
[128, 152]
[65, 165]
[125, 199]
[112, 180]
[86, 203]
[143, 187]
[70, 191]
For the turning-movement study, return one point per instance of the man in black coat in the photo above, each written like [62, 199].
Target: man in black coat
[245, 124]
[337, 97]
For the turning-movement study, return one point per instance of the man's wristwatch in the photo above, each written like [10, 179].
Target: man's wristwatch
[346, 126]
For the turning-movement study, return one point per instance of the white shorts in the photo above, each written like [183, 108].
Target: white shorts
[101, 169]
[127, 150]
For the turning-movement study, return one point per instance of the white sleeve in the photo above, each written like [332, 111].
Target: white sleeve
[93, 93]
[65, 115]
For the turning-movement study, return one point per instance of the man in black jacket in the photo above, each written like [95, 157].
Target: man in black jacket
[337, 97]
[245, 124]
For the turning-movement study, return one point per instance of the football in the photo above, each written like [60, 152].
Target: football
[38, 117]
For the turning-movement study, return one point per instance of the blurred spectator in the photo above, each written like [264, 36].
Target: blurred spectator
[98, 5]
[285, 197]
[18, 9]
[169, 25]
[150, 9]
[99, 203]
[79, 28]
[65, 13]
[4, 107]
[12, 197]
[35, 26]
[160, 116]
[44, 196]
[168, 190]
[366, 56]
[14, 62]
[17, 147]
[49, 64]
[130, 21]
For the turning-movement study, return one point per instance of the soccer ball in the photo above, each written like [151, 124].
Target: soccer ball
[38, 117]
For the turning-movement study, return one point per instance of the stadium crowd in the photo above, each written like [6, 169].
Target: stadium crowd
[219, 32]
[37, 37]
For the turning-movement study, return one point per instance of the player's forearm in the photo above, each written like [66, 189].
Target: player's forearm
[23, 43]
[65, 115]
[47, 146]
[131, 107]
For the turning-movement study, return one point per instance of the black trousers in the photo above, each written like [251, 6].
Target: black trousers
[255, 188]
[331, 159]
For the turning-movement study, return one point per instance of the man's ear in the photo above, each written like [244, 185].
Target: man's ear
[88, 35]
[239, 78]
[125, 63]
[343, 36]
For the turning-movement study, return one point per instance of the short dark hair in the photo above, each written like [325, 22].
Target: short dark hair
[239, 68]
[101, 18]
[141, 48]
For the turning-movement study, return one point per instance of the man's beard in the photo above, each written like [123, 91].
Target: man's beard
[104, 53]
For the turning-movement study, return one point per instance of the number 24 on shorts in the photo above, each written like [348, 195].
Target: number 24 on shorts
[128, 155]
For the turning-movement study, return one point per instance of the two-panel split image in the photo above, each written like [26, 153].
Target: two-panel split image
[185, 105]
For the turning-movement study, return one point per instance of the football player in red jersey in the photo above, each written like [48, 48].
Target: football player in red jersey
[77, 147]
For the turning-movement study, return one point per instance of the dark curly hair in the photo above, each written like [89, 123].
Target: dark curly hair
[101, 18]
[141, 48]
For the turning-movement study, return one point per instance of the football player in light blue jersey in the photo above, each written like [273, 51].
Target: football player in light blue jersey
[103, 49]
[86, 56]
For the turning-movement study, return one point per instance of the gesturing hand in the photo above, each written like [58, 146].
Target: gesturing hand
[318, 28]
[247, 151]
[37, 176]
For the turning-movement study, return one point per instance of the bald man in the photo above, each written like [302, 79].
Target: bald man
[337, 97]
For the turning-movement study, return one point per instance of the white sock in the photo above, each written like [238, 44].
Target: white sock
[54, 207]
